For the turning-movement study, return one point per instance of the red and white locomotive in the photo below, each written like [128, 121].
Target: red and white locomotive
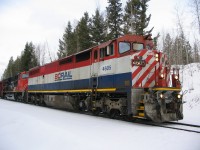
[121, 77]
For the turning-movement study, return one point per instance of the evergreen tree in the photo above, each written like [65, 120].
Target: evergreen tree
[62, 49]
[67, 46]
[98, 28]
[9, 71]
[135, 18]
[114, 18]
[4, 76]
[83, 33]
[28, 57]
[17, 65]
[70, 40]
[12, 68]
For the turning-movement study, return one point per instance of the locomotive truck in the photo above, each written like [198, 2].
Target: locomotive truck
[123, 77]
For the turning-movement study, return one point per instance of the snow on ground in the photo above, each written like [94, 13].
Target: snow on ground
[24, 126]
[190, 77]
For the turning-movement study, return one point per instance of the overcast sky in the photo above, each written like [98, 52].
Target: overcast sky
[44, 21]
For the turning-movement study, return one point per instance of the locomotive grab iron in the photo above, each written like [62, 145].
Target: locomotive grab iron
[121, 77]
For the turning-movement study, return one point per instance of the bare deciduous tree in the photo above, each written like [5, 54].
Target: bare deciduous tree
[196, 49]
[40, 53]
[195, 8]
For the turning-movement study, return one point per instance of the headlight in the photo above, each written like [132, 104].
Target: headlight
[157, 59]
[179, 96]
[176, 77]
[162, 75]
[161, 95]
[157, 55]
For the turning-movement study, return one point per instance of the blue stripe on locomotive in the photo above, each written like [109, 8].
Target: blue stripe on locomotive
[109, 81]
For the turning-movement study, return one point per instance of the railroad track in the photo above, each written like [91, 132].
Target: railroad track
[184, 124]
[174, 125]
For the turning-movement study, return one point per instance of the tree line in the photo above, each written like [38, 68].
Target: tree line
[28, 59]
[98, 28]
[89, 31]
[103, 26]
[177, 46]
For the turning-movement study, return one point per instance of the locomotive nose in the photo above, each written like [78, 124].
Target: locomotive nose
[144, 66]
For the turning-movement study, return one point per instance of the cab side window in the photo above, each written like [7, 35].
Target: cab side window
[24, 76]
[102, 52]
[95, 55]
[110, 49]
[107, 51]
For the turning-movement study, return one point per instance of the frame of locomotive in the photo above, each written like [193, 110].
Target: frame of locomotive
[121, 77]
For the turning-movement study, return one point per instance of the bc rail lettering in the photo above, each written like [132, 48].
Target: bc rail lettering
[63, 76]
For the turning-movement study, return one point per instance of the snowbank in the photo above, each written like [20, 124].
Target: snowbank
[190, 78]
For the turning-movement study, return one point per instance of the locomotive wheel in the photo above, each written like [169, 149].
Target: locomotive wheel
[36, 102]
[129, 118]
[114, 114]
[96, 112]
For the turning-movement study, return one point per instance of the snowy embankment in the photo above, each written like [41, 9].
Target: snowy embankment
[28, 127]
[190, 78]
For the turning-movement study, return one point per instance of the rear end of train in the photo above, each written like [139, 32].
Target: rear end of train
[156, 90]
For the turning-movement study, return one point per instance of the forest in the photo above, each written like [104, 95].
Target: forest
[93, 29]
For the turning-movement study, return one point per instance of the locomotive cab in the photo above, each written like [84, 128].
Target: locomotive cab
[140, 76]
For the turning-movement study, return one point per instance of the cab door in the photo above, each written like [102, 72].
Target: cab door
[95, 68]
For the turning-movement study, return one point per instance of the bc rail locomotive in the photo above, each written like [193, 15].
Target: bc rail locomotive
[124, 77]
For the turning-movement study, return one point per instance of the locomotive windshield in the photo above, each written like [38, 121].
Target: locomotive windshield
[138, 46]
[24, 76]
[124, 47]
